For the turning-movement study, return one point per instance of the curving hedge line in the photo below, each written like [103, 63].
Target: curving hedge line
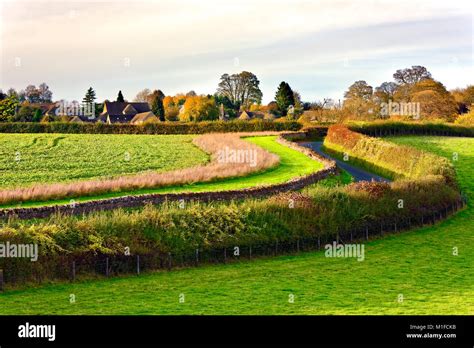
[151, 128]
[394, 128]
[389, 159]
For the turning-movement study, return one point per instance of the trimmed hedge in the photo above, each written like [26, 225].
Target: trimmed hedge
[150, 128]
[387, 158]
[388, 128]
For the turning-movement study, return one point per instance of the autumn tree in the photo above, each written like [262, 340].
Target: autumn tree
[199, 108]
[435, 101]
[171, 107]
[241, 89]
[8, 107]
[358, 101]
[464, 98]
[469, 96]
[434, 105]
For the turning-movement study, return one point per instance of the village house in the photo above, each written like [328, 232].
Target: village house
[125, 112]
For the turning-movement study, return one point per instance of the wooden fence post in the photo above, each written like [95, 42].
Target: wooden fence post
[367, 232]
[225, 255]
[138, 264]
[250, 251]
[1, 280]
[197, 257]
[297, 245]
[107, 267]
[169, 261]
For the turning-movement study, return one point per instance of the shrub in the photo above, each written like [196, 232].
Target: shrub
[150, 128]
[466, 119]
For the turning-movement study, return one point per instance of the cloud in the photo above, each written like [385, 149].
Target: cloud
[186, 44]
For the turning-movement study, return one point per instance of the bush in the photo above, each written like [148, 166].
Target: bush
[387, 158]
[466, 120]
[150, 128]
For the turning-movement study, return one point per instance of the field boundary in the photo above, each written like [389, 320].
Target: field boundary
[73, 268]
[396, 128]
[150, 128]
[132, 201]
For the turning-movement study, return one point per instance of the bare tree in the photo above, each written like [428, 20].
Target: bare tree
[142, 96]
[411, 76]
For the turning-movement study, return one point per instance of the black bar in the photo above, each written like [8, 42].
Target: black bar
[315, 330]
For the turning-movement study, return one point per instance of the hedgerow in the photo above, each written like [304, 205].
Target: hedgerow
[385, 128]
[317, 211]
[387, 158]
[150, 128]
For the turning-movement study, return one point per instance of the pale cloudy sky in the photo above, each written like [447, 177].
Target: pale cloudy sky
[318, 46]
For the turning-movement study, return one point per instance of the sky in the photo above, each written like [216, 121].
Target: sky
[320, 47]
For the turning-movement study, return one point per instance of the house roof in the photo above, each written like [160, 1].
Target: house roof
[129, 110]
[144, 116]
[245, 115]
[121, 118]
[117, 108]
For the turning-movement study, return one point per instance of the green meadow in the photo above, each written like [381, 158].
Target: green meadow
[424, 271]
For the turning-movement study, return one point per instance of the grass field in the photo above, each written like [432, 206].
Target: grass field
[26, 159]
[418, 265]
[292, 164]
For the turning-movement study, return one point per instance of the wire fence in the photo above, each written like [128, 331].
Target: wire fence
[72, 268]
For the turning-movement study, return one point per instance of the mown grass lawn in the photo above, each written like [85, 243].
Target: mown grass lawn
[26, 159]
[292, 164]
[418, 266]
